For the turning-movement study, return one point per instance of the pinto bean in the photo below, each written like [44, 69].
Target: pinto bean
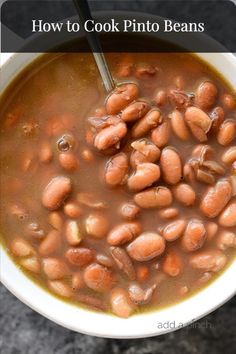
[73, 234]
[31, 263]
[144, 176]
[92, 302]
[194, 235]
[178, 125]
[80, 256]
[51, 243]
[168, 213]
[116, 169]
[77, 281]
[87, 155]
[21, 248]
[174, 230]
[55, 268]
[104, 260]
[60, 288]
[123, 262]
[228, 216]
[146, 246]
[179, 99]
[144, 151]
[205, 176]
[120, 303]
[123, 233]
[139, 296]
[172, 264]
[72, 210]
[214, 167]
[216, 198]
[206, 95]
[145, 124]
[210, 260]
[228, 101]
[227, 132]
[121, 97]
[57, 190]
[229, 156]
[55, 220]
[226, 239]
[68, 161]
[188, 173]
[45, 152]
[99, 278]
[97, 225]
[156, 197]
[160, 135]
[211, 229]
[129, 211]
[184, 194]
[160, 98]
[135, 111]
[110, 136]
[217, 116]
[198, 122]
[103, 122]
[202, 152]
[171, 165]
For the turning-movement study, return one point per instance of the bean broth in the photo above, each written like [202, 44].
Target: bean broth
[122, 203]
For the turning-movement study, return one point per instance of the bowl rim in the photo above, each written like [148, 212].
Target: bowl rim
[139, 325]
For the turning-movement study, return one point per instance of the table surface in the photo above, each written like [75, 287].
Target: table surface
[23, 331]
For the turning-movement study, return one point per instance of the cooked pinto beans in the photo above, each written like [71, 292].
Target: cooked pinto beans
[206, 95]
[146, 246]
[171, 165]
[125, 201]
[211, 261]
[97, 225]
[194, 235]
[184, 194]
[121, 305]
[98, 277]
[156, 197]
[123, 233]
[121, 97]
[216, 198]
[57, 190]
[174, 230]
[135, 111]
[228, 216]
[129, 211]
[144, 176]
[116, 169]
[144, 151]
[172, 264]
[148, 122]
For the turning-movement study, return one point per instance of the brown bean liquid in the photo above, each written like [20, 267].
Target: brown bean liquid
[57, 196]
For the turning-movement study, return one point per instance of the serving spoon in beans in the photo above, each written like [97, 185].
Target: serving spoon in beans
[84, 13]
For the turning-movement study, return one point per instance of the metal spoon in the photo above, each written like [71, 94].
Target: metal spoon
[84, 13]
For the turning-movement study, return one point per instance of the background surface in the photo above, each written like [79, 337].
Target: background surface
[22, 331]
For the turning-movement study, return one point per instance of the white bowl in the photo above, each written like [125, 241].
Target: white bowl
[106, 325]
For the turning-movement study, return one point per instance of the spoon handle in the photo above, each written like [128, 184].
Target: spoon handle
[84, 13]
